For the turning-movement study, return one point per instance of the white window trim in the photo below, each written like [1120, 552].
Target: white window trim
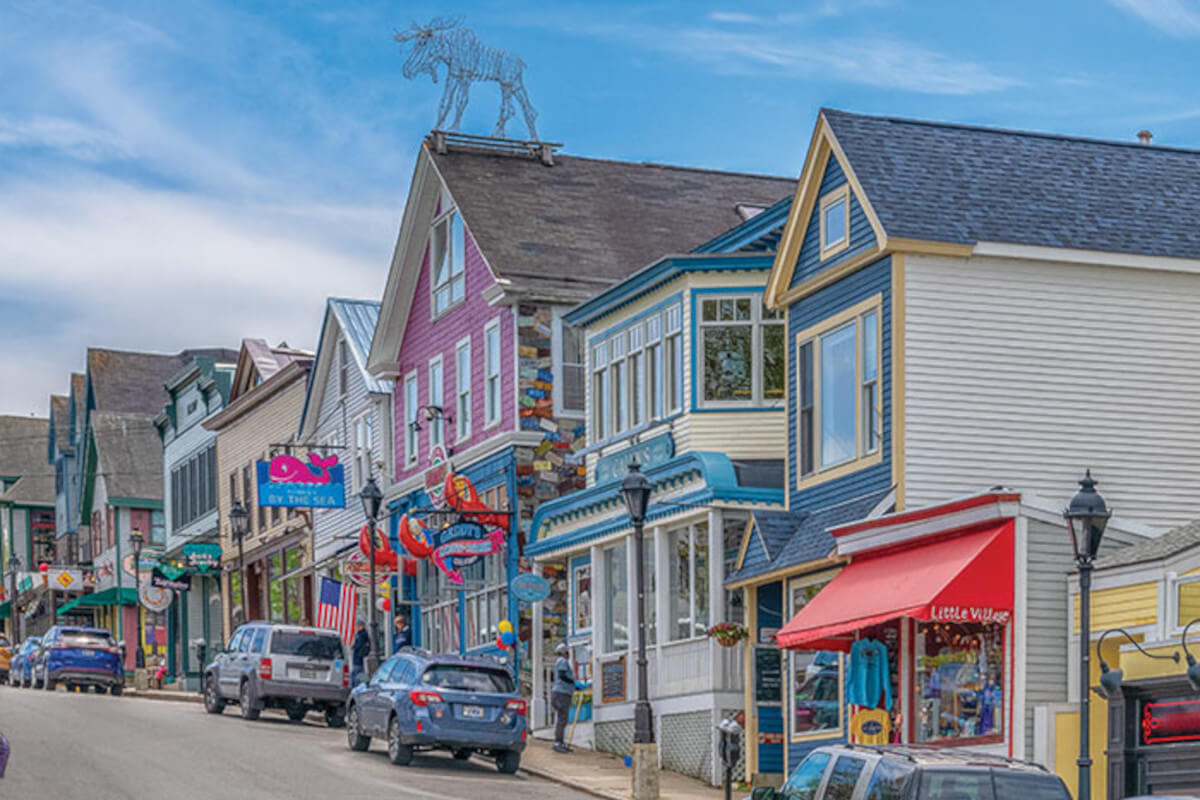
[493, 421]
[343, 377]
[829, 199]
[449, 209]
[558, 367]
[692, 531]
[462, 427]
[435, 400]
[411, 446]
[757, 325]
[364, 418]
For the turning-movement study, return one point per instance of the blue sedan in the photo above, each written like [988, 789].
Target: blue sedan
[417, 701]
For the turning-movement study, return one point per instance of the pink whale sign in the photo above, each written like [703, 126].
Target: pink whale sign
[287, 481]
[466, 548]
[289, 469]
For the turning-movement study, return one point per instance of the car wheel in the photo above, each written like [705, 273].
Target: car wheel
[116, 689]
[508, 762]
[296, 711]
[400, 753]
[462, 754]
[335, 717]
[101, 689]
[213, 702]
[354, 739]
[250, 711]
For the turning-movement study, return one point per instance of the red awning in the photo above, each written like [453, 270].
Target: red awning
[964, 578]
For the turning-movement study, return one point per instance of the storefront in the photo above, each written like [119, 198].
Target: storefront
[944, 628]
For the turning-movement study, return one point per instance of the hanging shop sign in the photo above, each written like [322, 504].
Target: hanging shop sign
[172, 578]
[357, 569]
[1168, 721]
[385, 556]
[530, 588]
[154, 598]
[65, 580]
[435, 476]
[647, 454]
[470, 532]
[202, 557]
[287, 482]
[452, 556]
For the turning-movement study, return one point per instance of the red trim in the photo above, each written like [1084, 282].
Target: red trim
[928, 512]
[1012, 682]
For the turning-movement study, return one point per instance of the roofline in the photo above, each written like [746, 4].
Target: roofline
[751, 229]
[277, 383]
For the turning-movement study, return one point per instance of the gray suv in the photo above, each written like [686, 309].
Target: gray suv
[272, 665]
[913, 772]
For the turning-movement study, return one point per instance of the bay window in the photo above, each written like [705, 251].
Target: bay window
[839, 416]
[741, 351]
[687, 573]
[616, 599]
[447, 259]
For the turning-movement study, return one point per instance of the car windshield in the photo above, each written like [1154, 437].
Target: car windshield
[306, 643]
[980, 784]
[87, 639]
[468, 679]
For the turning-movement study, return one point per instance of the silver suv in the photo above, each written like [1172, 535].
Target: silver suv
[273, 665]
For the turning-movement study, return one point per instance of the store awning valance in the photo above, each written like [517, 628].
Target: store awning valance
[5, 610]
[108, 597]
[963, 578]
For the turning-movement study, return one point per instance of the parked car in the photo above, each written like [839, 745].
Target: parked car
[6, 654]
[419, 701]
[274, 665]
[913, 772]
[78, 657]
[21, 671]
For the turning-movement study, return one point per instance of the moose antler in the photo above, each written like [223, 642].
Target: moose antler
[436, 24]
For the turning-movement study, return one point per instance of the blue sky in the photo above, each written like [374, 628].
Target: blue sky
[188, 173]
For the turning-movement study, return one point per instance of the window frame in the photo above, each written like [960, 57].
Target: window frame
[757, 324]
[616, 598]
[811, 449]
[462, 394]
[361, 456]
[793, 608]
[412, 405]
[343, 350]
[447, 218]
[832, 198]
[493, 386]
[437, 397]
[560, 365]
[697, 530]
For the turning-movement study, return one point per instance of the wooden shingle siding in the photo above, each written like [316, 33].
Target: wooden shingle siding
[869, 281]
[862, 236]
[1022, 374]
[1050, 561]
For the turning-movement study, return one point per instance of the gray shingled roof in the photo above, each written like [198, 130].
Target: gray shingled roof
[130, 454]
[23, 454]
[1169, 544]
[60, 415]
[959, 183]
[584, 224]
[129, 382]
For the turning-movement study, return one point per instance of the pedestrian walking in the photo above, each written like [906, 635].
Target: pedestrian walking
[401, 636]
[561, 691]
[359, 650]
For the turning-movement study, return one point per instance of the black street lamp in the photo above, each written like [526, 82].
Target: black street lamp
[1086, 517]
[635, 489]
[137, 540]
[1111, 679]
[372, 498]
[239, 520]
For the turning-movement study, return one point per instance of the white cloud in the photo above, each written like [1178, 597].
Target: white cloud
[70, 137]
[735, 17]
[1175, 17]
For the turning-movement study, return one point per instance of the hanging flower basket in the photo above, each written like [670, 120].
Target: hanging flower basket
[728, 634]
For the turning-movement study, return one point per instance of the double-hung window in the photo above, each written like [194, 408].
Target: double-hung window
[672, 378]
[411, 429]
[570, 392]
[835, 221]
[742, 352]
[616, 599]
[618, 381]
[447, 257]
[343, 367]
[462, 389]
[601, 400]
[839, 395]
[437, 432]
[362, 450]
[491, 371]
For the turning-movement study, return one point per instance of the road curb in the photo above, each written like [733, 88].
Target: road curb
[170, 697]
[571, 784]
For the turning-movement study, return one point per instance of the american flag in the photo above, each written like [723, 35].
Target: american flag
[337, 606]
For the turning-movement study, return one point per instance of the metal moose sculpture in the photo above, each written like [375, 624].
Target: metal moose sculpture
[467, 60]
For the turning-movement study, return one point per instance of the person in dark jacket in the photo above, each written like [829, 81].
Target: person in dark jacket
[401, 636]
[358, 652]
[561, 692]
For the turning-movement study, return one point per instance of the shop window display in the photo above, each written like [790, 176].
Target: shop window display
[959, 672]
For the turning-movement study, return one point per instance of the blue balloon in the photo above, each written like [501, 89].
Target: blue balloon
[508, 638]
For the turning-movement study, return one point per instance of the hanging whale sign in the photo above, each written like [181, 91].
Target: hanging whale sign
[288, 482]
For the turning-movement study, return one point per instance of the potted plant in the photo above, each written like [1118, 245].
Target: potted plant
[728, 634]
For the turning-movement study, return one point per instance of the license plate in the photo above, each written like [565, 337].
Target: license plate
[473, 711]
[309, 674]
[89, 653]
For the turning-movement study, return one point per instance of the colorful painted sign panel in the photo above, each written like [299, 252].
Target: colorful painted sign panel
[202, 557]
[530, 588]
[166, 577]
[435, 476]
[287, 482]
[647, 454]
[1170, 721]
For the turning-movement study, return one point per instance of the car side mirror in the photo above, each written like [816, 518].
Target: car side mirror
[762, 793]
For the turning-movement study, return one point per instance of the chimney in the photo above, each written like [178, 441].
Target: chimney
[1145, 136]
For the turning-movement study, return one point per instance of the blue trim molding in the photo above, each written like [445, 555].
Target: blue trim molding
[751, 231]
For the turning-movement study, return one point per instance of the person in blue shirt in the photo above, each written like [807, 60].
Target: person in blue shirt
[561, 691]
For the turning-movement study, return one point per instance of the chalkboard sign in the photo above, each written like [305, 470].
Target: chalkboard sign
[612, 681]
[768, 675]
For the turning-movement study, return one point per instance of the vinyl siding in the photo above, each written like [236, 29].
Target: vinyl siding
[1120, 607]
[1022, 374]
[1050, 562]
[862, 235]
[823, 304]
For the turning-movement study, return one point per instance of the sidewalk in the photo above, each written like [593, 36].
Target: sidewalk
[606, 775]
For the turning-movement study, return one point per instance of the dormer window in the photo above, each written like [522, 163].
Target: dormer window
[835, 221]
[447, 255]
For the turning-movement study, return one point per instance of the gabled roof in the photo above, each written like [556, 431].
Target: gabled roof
[967, 184]
[561, 233]
[129, 382]
[258, 362]
[23, 455]
[1171, 543]
[356, 320]
[130, 455]
[60, 425]
[78, 403]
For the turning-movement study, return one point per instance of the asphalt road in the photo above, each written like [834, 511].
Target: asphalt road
[92, 747]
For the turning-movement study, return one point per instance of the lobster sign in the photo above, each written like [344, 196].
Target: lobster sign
[457, 546]
[288, 482]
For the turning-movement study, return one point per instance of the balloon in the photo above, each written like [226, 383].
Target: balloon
[384, 604]
[500, 643]
[508, 638]
[506, 626]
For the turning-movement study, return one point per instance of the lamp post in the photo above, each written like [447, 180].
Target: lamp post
[1086, 516]
[635, 489]
[239, 518]
[137, 540]
[14, 569]
[372, 498]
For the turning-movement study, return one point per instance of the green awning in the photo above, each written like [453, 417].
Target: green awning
[5, 610]
[108, 597]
